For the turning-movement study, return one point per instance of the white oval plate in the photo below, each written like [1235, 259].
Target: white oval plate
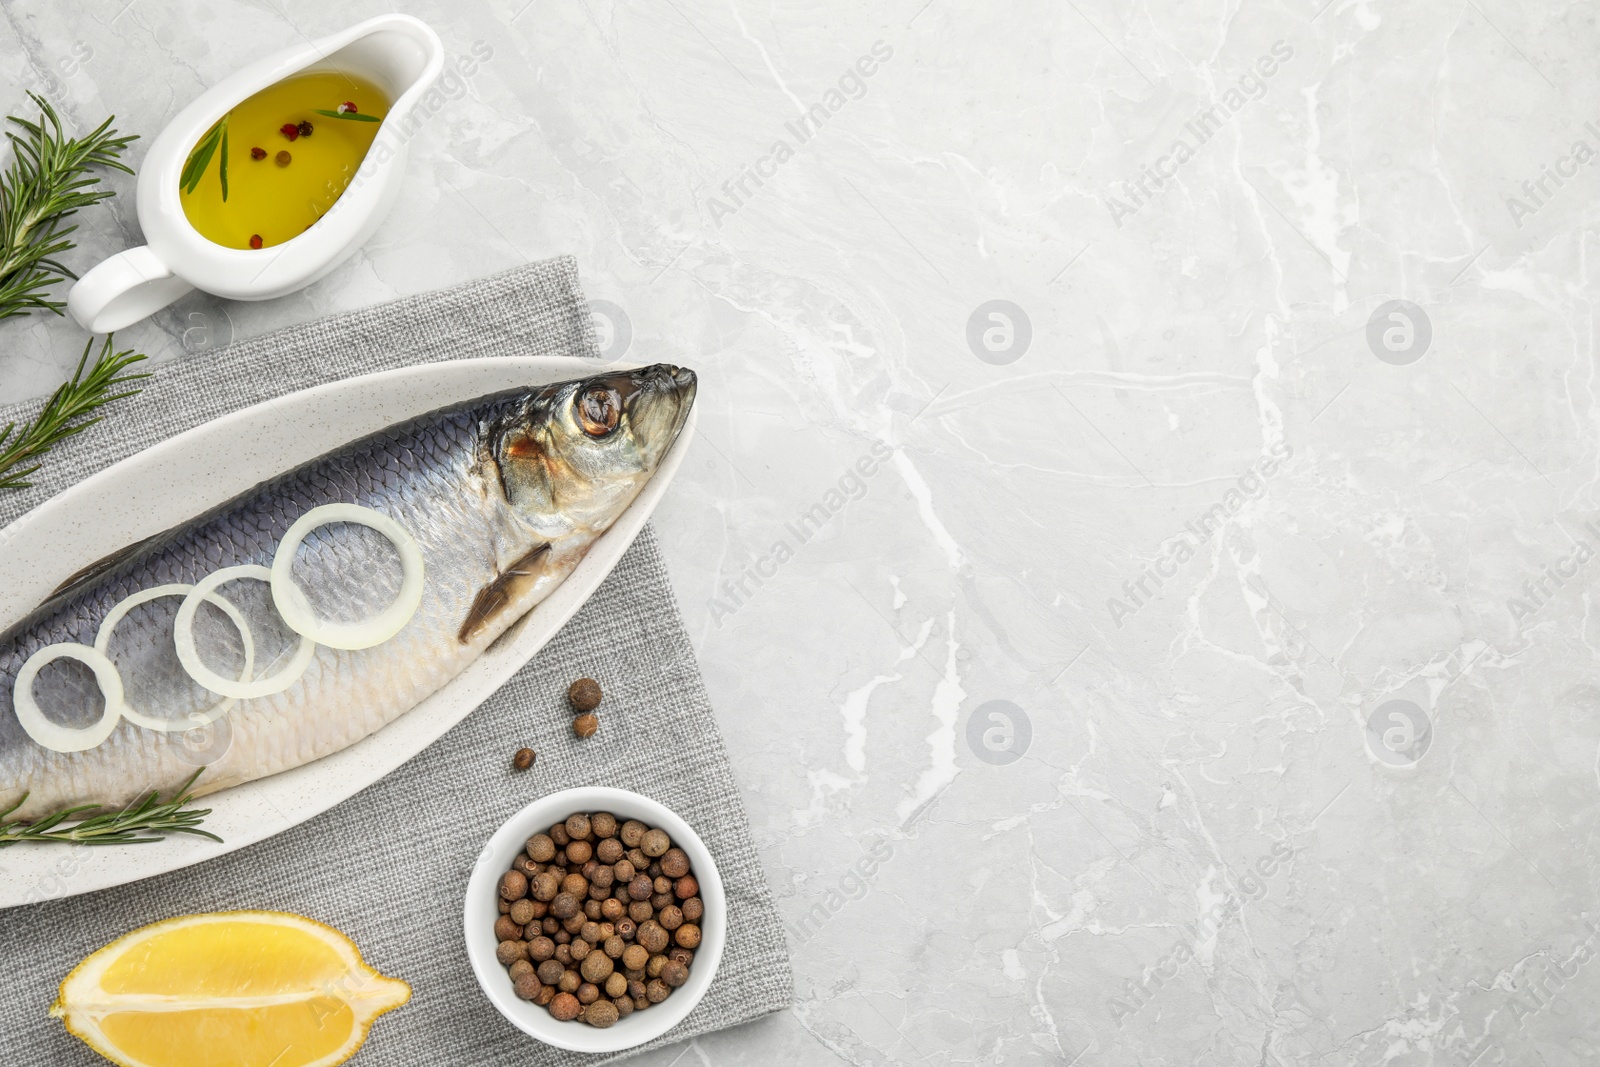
[212, 463]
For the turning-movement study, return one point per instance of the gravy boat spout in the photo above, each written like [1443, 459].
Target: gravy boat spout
[397, 53]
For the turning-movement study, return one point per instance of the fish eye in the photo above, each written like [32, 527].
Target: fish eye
[599, 410]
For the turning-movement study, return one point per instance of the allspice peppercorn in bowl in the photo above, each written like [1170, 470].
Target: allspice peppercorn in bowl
[674, 987]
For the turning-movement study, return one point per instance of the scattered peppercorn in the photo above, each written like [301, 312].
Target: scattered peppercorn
[304, 127]
[347, 106]
[282, 158]
[255, 240]
[598, 918]
[584, 694]
[258, 154]
[523, 759]
[586, 725]
[289, 130]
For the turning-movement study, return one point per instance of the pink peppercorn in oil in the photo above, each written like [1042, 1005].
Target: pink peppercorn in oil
[287, 164]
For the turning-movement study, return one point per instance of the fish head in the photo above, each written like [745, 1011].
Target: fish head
[573, 455]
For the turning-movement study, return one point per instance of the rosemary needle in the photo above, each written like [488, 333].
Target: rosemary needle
[70, 410]
[147, 821]
[48, 181]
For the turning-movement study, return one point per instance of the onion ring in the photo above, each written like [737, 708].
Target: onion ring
[102, 643]
[296, 609]
[189, 656]
[53, 735]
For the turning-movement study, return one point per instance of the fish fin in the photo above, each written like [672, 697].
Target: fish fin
[501, 593]
[99, 567]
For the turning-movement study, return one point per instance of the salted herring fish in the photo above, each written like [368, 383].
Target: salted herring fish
[502, 495]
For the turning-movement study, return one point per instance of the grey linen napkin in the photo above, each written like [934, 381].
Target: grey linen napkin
[389, 866]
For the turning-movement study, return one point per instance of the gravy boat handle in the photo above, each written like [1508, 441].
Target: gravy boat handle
[129, 286]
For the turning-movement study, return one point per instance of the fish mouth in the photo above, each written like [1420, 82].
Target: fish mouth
[683, 383]
[647, 387]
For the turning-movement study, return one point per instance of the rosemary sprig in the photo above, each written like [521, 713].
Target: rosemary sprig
[194, 168]
[142, 823]
[67, 412]
[350, 116]
[48, 181]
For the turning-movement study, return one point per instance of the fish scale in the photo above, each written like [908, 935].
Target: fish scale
[473, 505]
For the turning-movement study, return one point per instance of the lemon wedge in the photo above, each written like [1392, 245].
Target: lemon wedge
[241, 988]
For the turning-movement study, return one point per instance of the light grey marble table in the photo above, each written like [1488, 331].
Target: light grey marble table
[1142, 640]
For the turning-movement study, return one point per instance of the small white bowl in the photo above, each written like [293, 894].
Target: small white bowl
[482, 909]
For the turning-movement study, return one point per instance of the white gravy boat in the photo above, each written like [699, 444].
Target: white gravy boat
[397, 52]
